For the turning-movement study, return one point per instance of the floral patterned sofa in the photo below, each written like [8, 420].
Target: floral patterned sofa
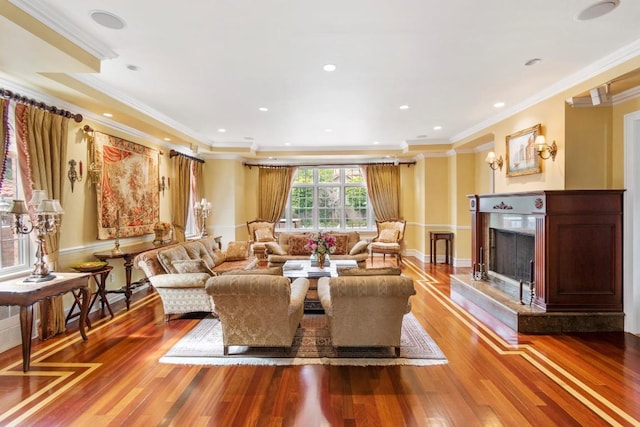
[291, 246]
[180, 272]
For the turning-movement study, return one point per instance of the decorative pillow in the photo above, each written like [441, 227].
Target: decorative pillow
[359, 247]
[174, 253]
[192, 266]
[264, 235]
[218, 256]
[341, 244]
[237, 251]
[197, 250]
[274, 248]
[297, 243]
[271, 271]
[388, 236]
[381, 271]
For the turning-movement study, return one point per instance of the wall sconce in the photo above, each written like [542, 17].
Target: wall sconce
[542, 146]
[47, 218]
[493, 162]
[74, 176]
[161, 185]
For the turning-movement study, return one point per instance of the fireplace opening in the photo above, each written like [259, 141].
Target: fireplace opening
[511, 253]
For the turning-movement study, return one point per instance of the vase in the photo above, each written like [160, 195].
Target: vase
[321, 260]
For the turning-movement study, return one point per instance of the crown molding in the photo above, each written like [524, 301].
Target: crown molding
[618, 57]
[626, 95]
[65, 27]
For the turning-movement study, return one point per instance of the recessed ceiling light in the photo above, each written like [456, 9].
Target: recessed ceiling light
[248, 138]
[107, 114]
[499, 104]
[167, 139]
[287, 144]
[328, 130]
[263, 109]
[404, 107]
[132, 67]
[437, 127]
[533, 61]
[376, 142]
[597, 10]
[107, 19]
[329, 68]
[221, 130]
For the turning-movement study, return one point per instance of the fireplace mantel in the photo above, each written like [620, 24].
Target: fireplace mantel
[578, 244]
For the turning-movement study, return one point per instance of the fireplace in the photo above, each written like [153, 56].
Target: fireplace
[573, 237]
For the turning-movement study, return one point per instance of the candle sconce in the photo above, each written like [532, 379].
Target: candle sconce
[161, 185]
[73, 175]
[202, 211]
[480, 273]
[94, 170]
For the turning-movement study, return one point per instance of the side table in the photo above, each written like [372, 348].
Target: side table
[100, 277]
[447, 236]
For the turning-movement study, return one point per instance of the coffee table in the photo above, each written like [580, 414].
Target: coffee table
[294, 269]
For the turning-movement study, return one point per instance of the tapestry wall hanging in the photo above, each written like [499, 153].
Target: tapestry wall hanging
[127, 192]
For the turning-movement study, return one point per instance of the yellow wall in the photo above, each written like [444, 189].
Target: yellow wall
[617, 152]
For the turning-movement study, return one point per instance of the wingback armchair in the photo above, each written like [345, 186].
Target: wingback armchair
[366, 311]
[388, 241]
[261, 231]
[258, 310]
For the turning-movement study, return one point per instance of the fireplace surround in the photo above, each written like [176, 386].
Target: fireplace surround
[571, 239]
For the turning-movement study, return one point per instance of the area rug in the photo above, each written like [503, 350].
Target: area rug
[312, 346]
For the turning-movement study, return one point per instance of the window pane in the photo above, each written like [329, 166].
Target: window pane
[14, 248]
[355, 209]
[353, 176]
[329, 207]
[328, 176]
[302, 206]
[303, 176]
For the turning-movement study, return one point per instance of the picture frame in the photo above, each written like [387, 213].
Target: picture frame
[522, 158]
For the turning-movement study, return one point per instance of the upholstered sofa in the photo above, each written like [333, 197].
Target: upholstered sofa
[290, 246]
[258, 310]
[366, 310]
[179, 272]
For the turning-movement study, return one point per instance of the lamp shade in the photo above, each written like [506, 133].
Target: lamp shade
[37, 197]
[540, 142]
[49, 206]
[491, 157]
[19, 208]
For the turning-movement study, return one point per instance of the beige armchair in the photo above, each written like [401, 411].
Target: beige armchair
[366, 311]
[261, 231]
[258, 310]
[388, 241]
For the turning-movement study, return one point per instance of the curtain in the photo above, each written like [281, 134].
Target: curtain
[46, 142]
[273, 189]
[180, 199]
[383, 186]
[198, 187]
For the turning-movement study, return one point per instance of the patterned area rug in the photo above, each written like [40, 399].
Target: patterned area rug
[312, 346]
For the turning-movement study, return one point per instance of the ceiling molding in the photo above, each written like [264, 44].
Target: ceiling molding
[66, 28]
[626, 95]
[615, 58]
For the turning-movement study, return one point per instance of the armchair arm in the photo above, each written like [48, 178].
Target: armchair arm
[182, 280]
[299, 289]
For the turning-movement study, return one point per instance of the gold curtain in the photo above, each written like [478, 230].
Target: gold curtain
[383, 186]
[180, 199]
[198, 181]
[273, 188]
[47, 136]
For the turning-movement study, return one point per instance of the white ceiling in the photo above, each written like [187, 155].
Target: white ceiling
[206, 65]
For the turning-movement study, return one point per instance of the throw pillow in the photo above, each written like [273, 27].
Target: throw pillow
[264, 235]
[359, 247]
[237, 251]
[381, 271]
[191, 266]
[174, 253]
[274, 248]
[388, 235]
[271, 271]
[341, 244]
[197, 250]
[297, 243]
[218, 256]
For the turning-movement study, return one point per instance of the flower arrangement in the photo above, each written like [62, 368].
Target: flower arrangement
[321, 243]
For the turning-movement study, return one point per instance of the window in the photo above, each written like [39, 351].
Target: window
[15, 249]
[323, 198]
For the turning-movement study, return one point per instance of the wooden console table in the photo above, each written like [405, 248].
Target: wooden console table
[25, 294]
[128, 253]
[447, 236]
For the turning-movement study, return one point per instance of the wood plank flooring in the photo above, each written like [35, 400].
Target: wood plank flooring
[494, 376]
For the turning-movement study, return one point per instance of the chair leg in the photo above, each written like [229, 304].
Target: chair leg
[225, 350]
[397, 351]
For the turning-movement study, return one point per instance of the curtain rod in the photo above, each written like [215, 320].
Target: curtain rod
[327, 165]
[38, 104]
[174, 153]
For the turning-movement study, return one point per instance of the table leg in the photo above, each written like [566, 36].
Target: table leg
[432, 249]
[26, 326]
[102, 283]
[86, 295]
[128, 266]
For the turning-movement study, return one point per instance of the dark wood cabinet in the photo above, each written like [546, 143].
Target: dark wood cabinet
[577, 246]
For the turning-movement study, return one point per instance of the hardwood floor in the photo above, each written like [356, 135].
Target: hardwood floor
[494, 376]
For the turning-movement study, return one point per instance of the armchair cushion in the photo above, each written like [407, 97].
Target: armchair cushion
[191, 266]
[388, 236]
[237, 251]
[174, 253]
[359, 247]
[264, 235]
[274, 248]
[178, 281]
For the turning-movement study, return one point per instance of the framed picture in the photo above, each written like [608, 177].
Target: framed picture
[522, 158]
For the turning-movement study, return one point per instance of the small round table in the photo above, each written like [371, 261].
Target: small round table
[100, 277]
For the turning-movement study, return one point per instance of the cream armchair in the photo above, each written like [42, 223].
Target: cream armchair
[260, 232]
[258, 310]
[366, 311]
[389, 239]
